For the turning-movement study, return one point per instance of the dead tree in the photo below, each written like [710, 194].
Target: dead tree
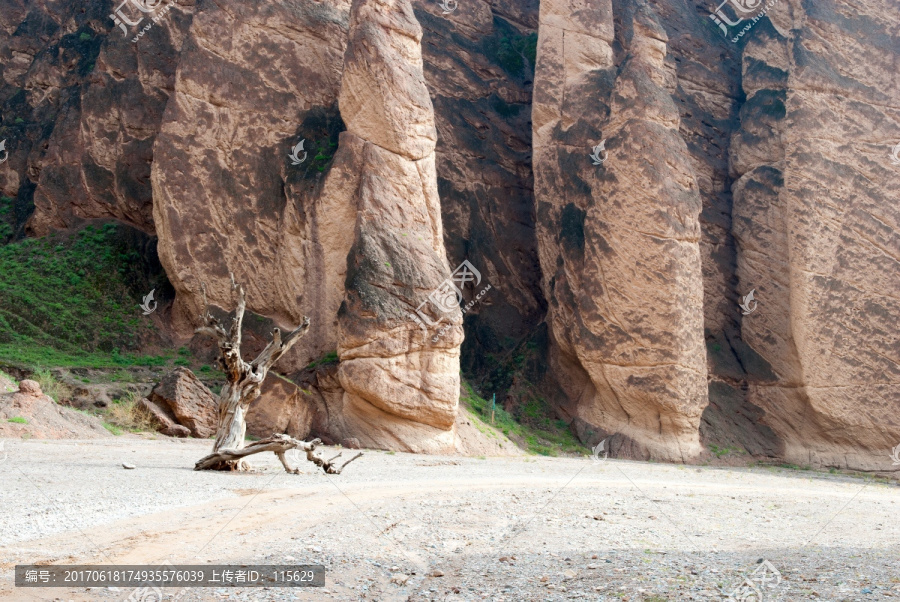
[242, 386]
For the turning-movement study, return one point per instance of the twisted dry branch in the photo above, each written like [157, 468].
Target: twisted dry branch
[279, 444]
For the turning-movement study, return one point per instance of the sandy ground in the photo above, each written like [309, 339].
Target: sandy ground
[448, 528]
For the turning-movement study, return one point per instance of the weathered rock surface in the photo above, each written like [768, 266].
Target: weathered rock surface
[281, 407]
[103, 97]
[226, 195]
[817, 221]
[183, 400]
[479, 67]
[619, 242]
[401, 381]
[166, 420]
[782, 142]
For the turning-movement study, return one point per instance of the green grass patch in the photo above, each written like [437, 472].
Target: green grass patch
[36, 356]
[549, 439]
[8, 377]
[70, 300]
[724, 451]
[112, 428]
[17, 420]
[57, 390]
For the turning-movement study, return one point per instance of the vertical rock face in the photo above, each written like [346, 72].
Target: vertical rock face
[227, 196]
[82, 105]
[817, 222]
[401, 381]
[481, 85]
[619, 242]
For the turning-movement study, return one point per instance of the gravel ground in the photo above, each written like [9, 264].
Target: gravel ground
[411, 527]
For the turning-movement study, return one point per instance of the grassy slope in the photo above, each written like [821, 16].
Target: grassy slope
[547, 438]
[69, 301]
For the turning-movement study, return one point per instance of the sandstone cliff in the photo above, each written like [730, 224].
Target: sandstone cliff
[817, 223]
[728, 166]
[619, 240]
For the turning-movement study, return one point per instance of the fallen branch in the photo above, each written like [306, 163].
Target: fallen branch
[279, 444]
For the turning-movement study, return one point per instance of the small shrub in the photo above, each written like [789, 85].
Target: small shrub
[18, 420]
[57, 390]
[130, 415]
[328, 358]
[112, 429]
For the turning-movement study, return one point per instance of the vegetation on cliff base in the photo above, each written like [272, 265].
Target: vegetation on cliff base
[546, 440]
[69, 300]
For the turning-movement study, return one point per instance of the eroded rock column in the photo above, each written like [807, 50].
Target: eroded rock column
[619, 241]
[400, 381]
[816, 219]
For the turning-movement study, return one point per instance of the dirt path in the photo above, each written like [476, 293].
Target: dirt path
[501, 528]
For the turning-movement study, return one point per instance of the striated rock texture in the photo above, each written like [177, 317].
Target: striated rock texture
[817, 221]
[479, 68]
[401, 382]
[619, 242]
[281, 408]
[88, 107]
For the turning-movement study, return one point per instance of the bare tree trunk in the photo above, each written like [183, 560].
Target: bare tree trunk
[242, 387]
[232, 427]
